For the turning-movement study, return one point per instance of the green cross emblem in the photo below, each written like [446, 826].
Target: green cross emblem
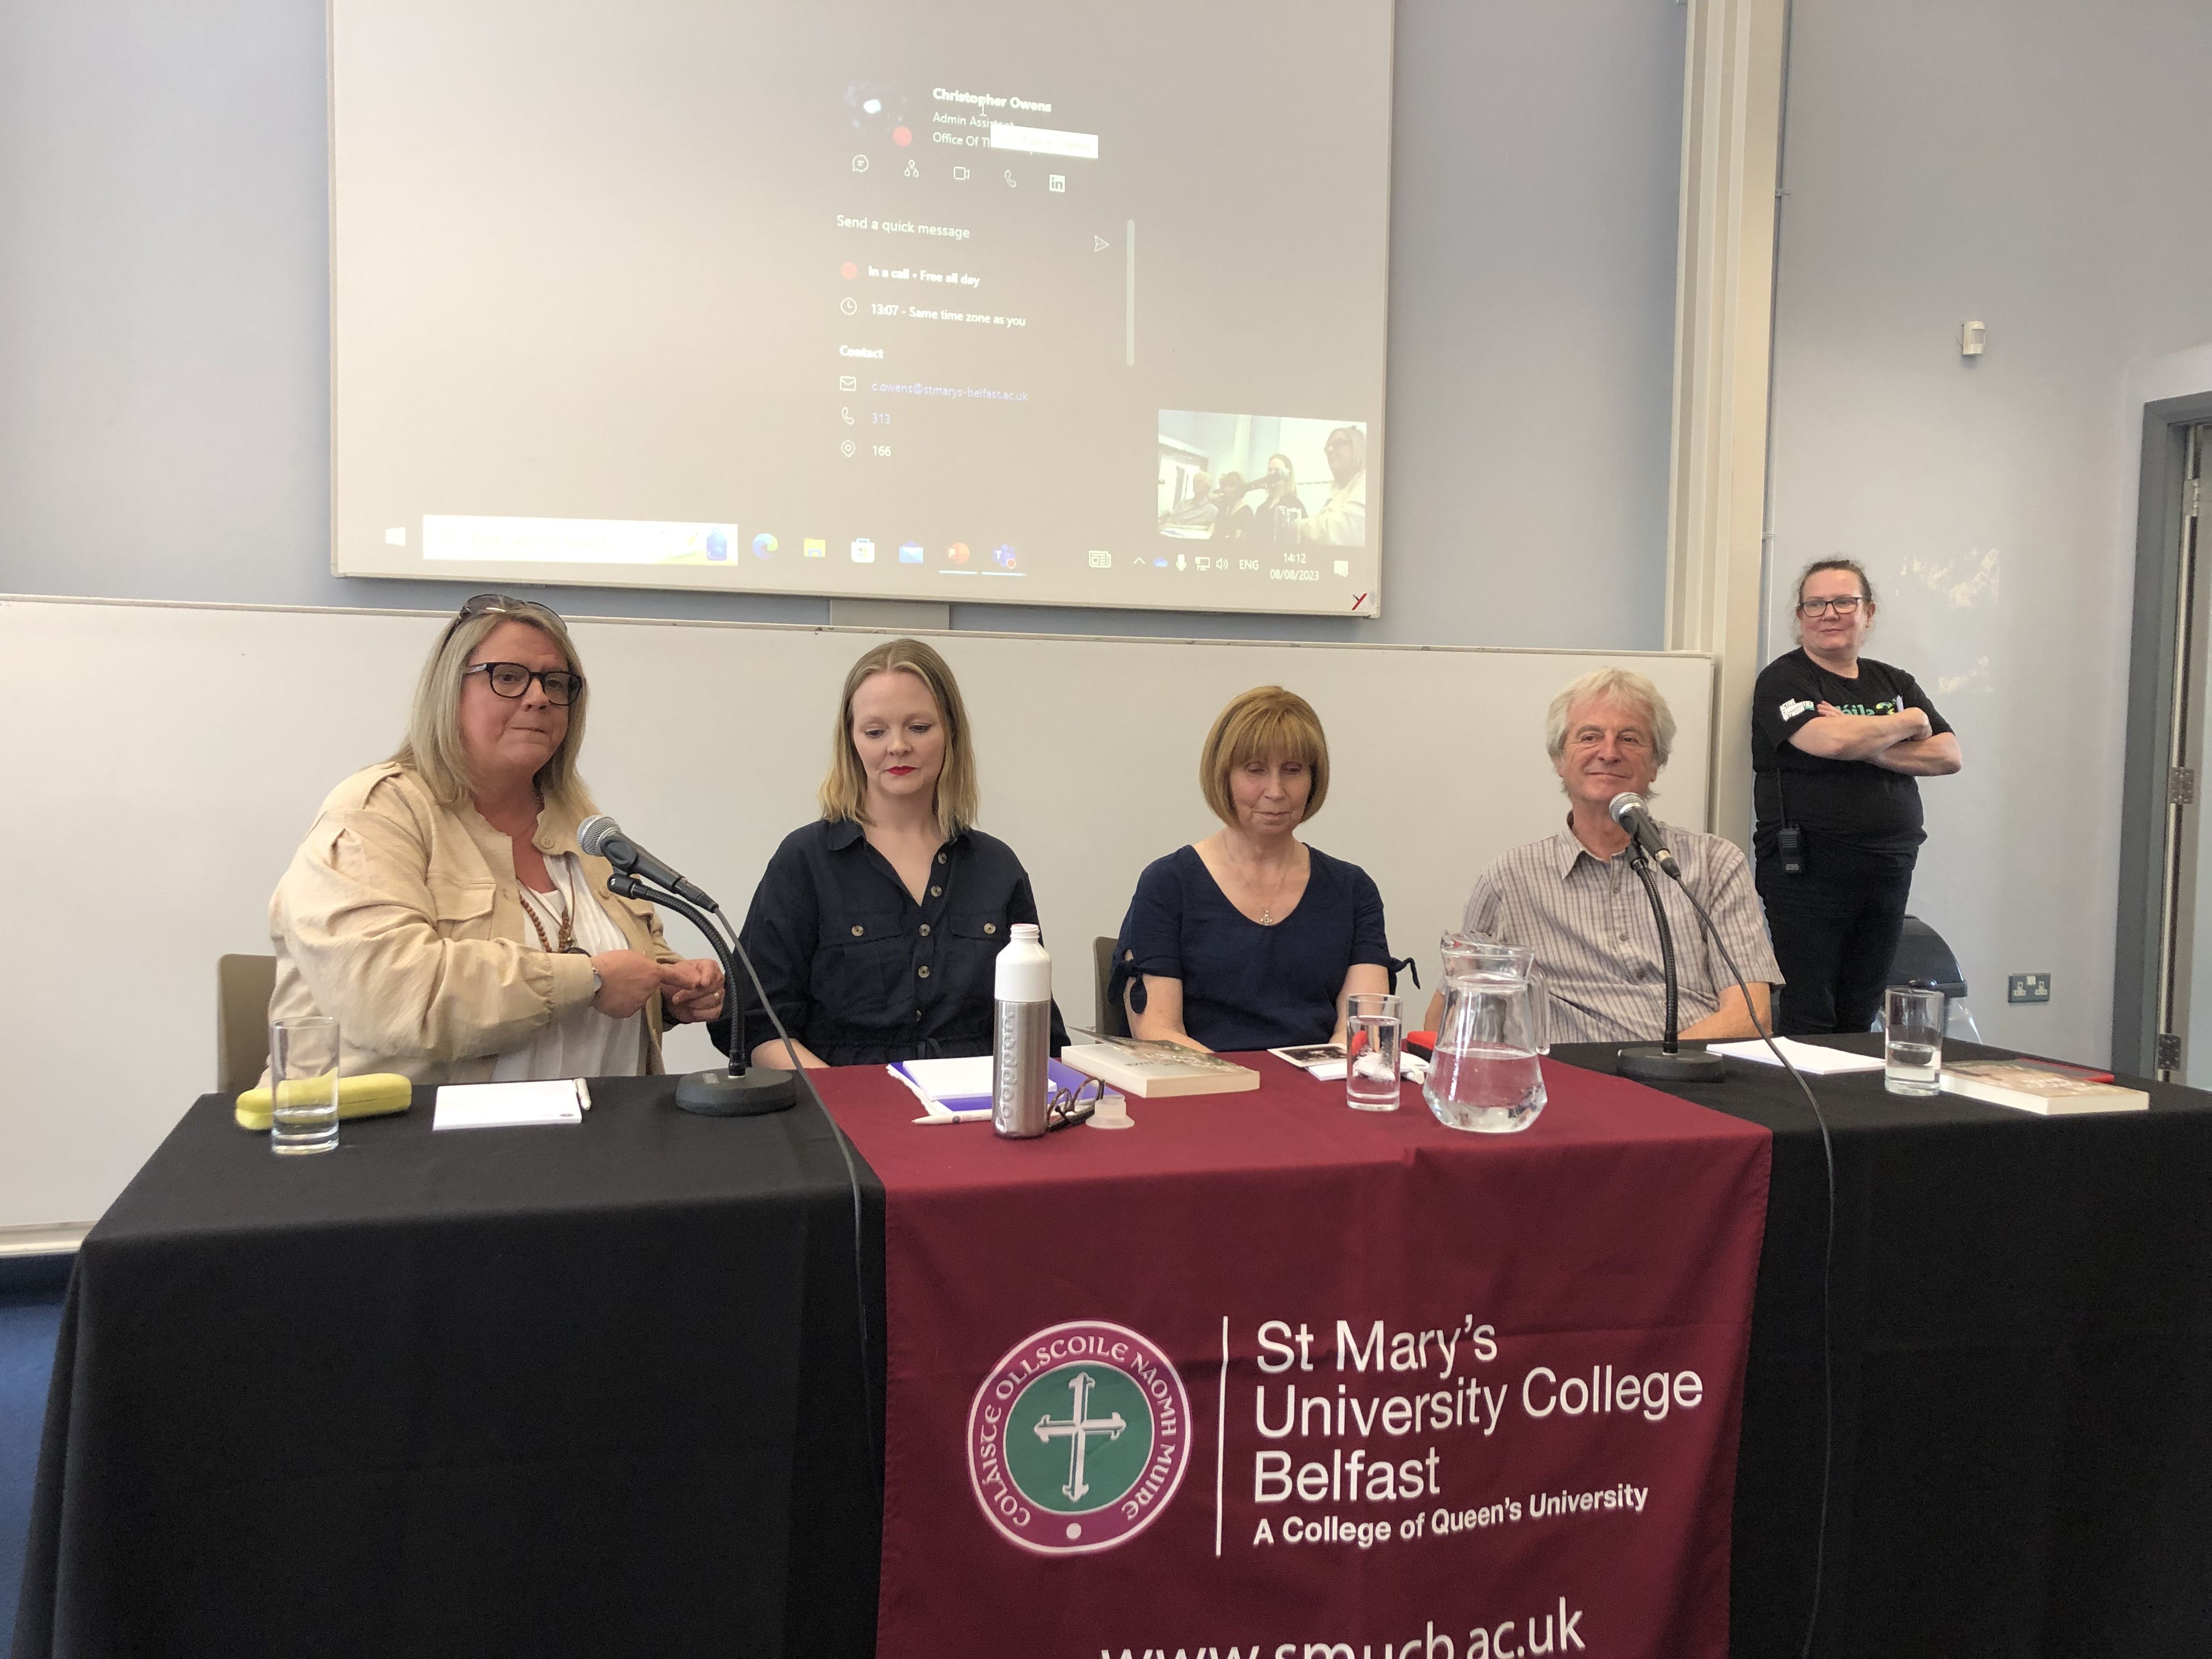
[1077, 1431]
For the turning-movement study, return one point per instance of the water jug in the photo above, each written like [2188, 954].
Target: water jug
[1485, 1075]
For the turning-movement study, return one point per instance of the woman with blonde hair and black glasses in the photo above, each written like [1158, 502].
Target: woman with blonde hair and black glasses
[1250, 938]
[876, 927]
[440, 906]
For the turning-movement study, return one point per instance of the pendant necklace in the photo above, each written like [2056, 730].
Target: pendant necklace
[1267, 908]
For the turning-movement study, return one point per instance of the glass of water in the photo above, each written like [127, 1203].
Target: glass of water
[1912, 1040]
[303, 1085]
[1373, 1030]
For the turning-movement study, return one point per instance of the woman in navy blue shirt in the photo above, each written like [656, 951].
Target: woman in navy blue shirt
[1250, 938]
[876, 928]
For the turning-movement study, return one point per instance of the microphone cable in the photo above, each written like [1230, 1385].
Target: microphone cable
[1827, 1268]
[853, 1185]
[677, 902]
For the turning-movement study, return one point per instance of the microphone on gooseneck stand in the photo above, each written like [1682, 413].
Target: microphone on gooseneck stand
[1632, 814]
[1666, 1061]
[602, 837]
[743, 1090]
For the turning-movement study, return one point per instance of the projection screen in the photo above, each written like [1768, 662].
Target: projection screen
[1077, 304]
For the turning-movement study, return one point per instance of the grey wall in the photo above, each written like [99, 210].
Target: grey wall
[163, 353]
[2038, 165]
[164, 338]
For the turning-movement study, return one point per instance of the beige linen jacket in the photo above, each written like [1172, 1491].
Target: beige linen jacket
[401, 917]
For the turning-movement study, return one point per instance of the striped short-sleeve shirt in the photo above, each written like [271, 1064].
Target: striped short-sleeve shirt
[1596, 944]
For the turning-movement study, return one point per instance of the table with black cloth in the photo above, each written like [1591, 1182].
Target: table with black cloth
[2022, 1320]
[545, 1391]
[599, 1390]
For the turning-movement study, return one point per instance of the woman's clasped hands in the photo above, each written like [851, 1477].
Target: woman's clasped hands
[629, 979]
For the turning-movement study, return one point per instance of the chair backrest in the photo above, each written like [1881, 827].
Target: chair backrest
[1108, 1016]
[1922, 956]
[243, 986]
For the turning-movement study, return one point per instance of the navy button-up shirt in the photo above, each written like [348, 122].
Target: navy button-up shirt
[864, 973]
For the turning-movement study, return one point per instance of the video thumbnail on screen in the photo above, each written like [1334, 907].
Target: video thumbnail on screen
[1268, 480]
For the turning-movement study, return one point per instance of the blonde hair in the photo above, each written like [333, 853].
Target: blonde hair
[1357, 435]
[844, 793]
[1621, 685]
[1265, 723]
[433, 749]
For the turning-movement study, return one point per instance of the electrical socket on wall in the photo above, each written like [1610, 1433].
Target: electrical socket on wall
[2028, 987]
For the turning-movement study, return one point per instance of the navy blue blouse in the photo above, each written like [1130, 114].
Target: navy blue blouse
[1245, 986]
[859, 971]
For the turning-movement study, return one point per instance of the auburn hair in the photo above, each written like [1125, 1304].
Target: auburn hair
[1265, 723]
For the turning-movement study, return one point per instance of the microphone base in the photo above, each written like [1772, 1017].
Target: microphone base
[1650, 1062]
[717, 1094]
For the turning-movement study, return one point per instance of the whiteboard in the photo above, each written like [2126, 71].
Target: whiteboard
[165, 760]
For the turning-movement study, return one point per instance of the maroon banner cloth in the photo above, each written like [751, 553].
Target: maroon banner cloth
[1264, 1375]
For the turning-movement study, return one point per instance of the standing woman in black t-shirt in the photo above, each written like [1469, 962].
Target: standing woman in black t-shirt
[1836, 740]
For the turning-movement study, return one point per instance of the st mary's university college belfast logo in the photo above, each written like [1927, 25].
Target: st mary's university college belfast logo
[1079, 1437]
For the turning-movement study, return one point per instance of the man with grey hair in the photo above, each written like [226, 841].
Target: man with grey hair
[1574, 899]
[1200, 509]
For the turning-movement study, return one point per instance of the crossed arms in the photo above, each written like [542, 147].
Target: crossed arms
[1902, 742]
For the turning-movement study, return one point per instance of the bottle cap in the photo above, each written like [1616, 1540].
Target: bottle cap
[1112, 1112]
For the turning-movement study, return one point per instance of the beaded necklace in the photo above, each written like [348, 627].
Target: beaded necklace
[564, 917]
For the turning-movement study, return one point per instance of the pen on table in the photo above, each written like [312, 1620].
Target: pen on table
[583, 1094]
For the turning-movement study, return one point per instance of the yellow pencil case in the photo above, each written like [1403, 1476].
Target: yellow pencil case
[376, 1094]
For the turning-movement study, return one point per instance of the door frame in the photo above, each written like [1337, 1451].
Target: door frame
[2152, 666]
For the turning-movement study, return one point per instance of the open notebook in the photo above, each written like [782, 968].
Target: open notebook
[965, 1085]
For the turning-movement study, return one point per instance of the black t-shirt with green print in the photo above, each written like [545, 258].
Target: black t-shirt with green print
[1855, 808]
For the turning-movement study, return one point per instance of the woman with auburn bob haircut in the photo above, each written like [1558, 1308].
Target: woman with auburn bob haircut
[876, 928]
[440, 906]
[1250, 938]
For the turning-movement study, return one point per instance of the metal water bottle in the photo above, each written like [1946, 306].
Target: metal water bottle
[1021, 1047]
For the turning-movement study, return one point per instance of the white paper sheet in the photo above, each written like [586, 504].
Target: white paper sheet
[1809, 1058]
[953, 1079]
[507, 1105]
[1410, 1065]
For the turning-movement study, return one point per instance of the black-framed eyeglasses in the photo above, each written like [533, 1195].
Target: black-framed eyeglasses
[502, 605]
[511, 679]
[1846, 606]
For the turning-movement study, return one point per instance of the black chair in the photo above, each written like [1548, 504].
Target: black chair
[1923, 958]
[1108, 1017]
